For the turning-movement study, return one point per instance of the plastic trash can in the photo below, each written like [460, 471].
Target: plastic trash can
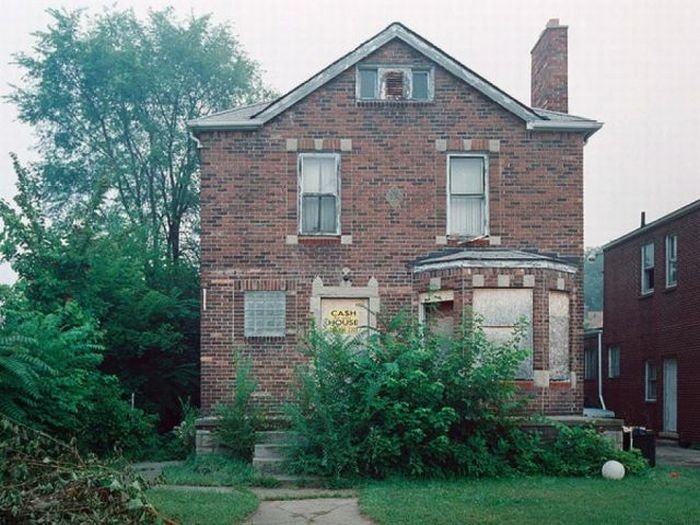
[645, 441]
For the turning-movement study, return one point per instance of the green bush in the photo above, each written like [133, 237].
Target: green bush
[582, 451]
[239, 419]
[405, 400]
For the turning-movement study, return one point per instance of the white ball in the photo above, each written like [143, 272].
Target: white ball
[613, 470]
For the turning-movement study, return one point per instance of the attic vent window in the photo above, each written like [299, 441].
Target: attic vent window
[394, 83]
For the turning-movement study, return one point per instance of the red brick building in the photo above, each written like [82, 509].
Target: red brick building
[395, 178]
[651, 341]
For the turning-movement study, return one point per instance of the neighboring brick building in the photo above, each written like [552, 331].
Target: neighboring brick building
[651, 338]
[395, 178]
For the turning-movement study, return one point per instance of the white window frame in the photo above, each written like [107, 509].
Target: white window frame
[406, 70]
[300, 192]
[645, 288]
[614, 365]
[649, 380]
[671, 260]
[256, 296]
[485, 159]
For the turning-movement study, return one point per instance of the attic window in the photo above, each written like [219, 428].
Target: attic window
[394, 83]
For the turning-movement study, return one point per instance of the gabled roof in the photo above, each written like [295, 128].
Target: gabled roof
[255, 116]
[675, 214]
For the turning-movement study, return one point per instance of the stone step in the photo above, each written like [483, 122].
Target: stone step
[268, 466]
[272, 451]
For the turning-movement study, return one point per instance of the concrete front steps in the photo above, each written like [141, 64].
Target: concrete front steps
[271, 451]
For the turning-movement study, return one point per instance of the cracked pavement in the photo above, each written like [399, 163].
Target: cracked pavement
[322, 511]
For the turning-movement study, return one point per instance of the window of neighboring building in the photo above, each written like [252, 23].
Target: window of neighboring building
[590, 364]
[319, 194]
[394, 83]
[649, 381]
[265, 314]
[466, 196]
[613, 362]
[671, 260]
[648, 268]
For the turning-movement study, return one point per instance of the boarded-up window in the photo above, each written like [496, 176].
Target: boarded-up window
[559, 336]
[501, 310]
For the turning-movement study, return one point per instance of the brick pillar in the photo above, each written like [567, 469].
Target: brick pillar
[549, 74]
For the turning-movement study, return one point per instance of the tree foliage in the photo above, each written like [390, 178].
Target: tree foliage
[109, 97]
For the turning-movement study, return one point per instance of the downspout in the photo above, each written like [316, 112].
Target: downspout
[600, 370]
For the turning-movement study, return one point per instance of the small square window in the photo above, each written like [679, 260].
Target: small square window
[649, 381]
[419, 87]
[265, 314]
[648, 268]
[613, 362]
[671, 261]
[368, 83]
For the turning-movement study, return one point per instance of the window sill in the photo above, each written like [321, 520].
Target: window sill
[384, 102]
[316, 240]
[650, 401]
[671, 288]
[646, 295]
[456, 240]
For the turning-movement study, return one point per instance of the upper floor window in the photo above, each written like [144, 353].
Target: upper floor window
[648, 268]
[264, 314]
[671, 260]
[467, 206]
[394, 83]
[319, 194]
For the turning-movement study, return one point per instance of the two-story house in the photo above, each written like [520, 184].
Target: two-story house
[651, 336]
[395, 178]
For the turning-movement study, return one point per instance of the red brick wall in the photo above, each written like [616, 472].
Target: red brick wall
[249, 204]
[549, 79]
[661, 325]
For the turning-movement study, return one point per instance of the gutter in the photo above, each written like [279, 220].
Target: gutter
[575, 126]
[224, 126]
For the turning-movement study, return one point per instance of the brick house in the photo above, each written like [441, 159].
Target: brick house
[395, 178]
[651, 336]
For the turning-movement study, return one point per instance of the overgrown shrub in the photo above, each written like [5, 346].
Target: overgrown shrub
[239, 419]
[44, 481]
[581, 451]
[405, 400]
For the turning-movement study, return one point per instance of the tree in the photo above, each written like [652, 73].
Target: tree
[593, 279]
[109, 97]
[145, 314]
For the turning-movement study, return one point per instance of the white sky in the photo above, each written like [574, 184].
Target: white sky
[633, 64]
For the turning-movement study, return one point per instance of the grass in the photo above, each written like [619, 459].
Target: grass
[656, 497]
[203, 507]
[215, 471]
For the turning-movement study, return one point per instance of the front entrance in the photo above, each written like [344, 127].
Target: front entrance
[670, 395]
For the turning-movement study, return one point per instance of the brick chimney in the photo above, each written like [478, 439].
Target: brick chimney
[549, 76]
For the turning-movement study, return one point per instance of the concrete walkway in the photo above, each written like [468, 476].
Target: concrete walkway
[322, 511]
[669, 454]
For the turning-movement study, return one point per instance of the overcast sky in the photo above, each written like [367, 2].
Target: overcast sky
[634, 65]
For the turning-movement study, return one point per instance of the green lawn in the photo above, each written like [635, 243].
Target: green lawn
[189, 507]
[211, 470]
[656, 497]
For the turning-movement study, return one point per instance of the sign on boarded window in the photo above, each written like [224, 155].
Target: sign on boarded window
[345, 315]
[501, 309]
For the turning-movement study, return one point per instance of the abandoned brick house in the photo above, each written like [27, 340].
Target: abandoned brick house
[395, 178]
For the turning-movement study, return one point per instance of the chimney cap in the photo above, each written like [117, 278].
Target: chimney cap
[553, 22]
